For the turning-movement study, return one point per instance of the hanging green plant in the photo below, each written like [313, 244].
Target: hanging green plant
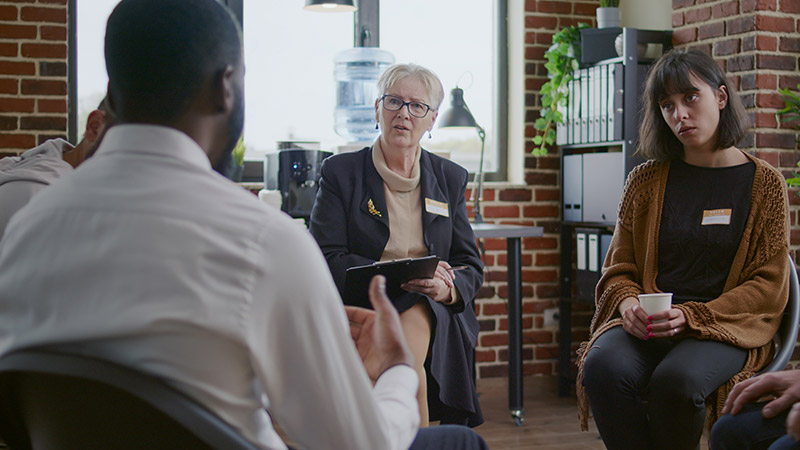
[562, 59]
[789, 113]
[238, 151]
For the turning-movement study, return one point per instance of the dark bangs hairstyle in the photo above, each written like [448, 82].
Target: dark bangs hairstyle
[670, 75]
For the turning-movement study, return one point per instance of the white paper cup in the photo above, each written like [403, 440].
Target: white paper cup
[272, 198]
[654, 303]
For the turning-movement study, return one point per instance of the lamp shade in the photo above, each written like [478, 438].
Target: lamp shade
[330, 5]
[458, 115]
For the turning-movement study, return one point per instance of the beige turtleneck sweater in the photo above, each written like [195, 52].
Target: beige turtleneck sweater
[404, 205]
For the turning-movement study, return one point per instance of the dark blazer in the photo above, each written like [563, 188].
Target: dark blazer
[350, 235]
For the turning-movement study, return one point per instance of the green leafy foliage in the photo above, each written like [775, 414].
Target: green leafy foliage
[789, 113]
[609, 3]
[562, 60]
[238, 152]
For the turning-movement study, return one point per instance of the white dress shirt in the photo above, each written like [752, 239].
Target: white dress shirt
[152, 259]
[23, 176]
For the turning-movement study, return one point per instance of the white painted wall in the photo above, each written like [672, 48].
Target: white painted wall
[646, 14]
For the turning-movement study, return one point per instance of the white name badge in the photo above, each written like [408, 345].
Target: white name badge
[716, 217]
[434, 207]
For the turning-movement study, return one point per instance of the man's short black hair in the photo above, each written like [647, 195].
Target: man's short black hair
[159, 53]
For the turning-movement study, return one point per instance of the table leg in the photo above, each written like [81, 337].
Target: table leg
[564, 349]
[514, 251]
[565, 315]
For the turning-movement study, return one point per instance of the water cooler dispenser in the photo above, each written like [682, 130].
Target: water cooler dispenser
[295, 172]
[356, 72]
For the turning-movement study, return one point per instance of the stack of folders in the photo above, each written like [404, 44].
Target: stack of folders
[593, 113]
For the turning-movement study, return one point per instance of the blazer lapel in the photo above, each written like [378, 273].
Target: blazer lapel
[429, 189]
[374, 202]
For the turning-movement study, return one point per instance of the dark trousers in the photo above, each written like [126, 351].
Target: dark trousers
[448, 437]
[749, 430]
[651, 394]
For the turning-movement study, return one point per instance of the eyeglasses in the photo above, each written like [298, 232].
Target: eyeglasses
[416, 109]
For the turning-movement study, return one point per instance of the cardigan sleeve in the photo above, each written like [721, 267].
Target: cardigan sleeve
[621, 270]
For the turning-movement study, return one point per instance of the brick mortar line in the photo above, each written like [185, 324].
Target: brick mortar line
[775, 14]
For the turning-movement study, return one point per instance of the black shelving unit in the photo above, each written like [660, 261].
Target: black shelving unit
[604, 174]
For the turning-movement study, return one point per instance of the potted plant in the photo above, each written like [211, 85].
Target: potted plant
[608, 14]
[562, 59]
[791, 113]
[238, 160]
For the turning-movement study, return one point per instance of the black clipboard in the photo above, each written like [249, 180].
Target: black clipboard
[397, 272]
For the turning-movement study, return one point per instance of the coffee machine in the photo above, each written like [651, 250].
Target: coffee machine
[294, 171]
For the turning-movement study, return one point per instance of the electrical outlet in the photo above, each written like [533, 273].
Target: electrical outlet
[551, 317]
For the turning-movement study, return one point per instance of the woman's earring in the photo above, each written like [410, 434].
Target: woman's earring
[376, 125]
[429, 134]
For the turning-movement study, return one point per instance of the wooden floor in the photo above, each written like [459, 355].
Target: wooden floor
[550, 422]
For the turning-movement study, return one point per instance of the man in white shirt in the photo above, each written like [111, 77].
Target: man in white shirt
[147, 257]
[23, 176]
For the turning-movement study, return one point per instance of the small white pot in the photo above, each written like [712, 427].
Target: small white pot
[607, 17]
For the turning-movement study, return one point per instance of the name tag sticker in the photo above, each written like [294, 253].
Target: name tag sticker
[434, 207]
[716, 217]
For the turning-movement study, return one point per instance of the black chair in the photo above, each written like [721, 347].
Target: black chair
[787, 333]
[56, 398]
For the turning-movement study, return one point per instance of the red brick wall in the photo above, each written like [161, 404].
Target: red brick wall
[33, 73]
[757, 43]
[537, 202]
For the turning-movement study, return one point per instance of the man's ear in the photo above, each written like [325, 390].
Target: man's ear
[95, 124]
[222, 90]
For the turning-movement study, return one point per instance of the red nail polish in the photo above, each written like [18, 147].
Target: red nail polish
[649, 328]
[651, 334]
[650, 318]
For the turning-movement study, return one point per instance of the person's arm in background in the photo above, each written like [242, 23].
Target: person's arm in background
[316, 384]
[617, 290]
[328, 225]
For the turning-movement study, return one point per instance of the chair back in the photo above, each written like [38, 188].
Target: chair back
[787, 333]
[55, 398]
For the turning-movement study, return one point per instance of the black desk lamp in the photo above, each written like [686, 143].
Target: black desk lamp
[459, 115]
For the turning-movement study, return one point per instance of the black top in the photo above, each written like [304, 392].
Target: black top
[702, 221]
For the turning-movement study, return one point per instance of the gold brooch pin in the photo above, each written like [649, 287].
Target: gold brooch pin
[372, 210]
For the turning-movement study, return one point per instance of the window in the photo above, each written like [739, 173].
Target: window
[290, 85]
[289, 80]
[92, 80]
[456, 39]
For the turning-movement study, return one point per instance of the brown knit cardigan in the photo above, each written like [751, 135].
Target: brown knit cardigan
[748, 312]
